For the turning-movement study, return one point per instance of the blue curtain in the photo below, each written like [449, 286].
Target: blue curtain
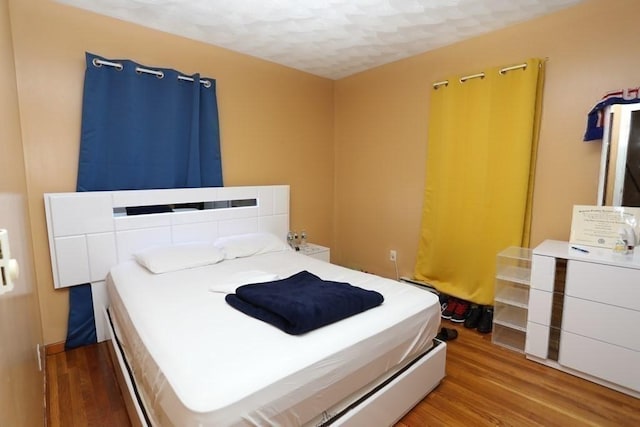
[142, 128]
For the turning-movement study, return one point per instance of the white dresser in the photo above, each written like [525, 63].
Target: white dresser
[584, 314]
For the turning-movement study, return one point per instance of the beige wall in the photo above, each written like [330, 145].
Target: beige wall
[276, 123]
[21, 383]
[381, 127]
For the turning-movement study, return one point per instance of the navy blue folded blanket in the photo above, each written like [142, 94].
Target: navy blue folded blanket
[302, 302]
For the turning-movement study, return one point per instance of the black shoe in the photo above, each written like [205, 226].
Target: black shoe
[486, 320]
[473, 319]
[447, 334]
[444, 300]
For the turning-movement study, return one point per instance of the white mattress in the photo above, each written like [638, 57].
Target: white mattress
[197, 361]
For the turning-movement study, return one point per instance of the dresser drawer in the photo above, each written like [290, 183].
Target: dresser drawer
[614, 325]
[537, 340]
[605, 361]
[540, 303]
[607, 284]
[543, 269]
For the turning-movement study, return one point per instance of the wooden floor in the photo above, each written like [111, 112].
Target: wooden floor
[486, 385]
[82, 390]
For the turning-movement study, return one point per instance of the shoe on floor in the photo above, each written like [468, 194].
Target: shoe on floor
[450, 308]
[461, 311]
[486, 320]
[473, 319]
[447, 334]
[443, 299]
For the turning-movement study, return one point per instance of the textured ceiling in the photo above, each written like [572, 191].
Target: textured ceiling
[329, 38]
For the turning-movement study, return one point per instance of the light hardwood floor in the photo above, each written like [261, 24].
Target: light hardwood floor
[82, 390]
[486, 385]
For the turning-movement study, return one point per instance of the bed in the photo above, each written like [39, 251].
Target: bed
[186, 357]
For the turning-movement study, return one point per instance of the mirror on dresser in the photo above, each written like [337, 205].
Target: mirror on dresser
[619, 182]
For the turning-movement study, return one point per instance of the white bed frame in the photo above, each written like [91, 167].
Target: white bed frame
[88, 235]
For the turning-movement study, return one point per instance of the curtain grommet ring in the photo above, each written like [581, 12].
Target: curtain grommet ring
[206, 84]
[505, 70]
[472, 76]
[99, 63]
[437, 85]
[158, 74]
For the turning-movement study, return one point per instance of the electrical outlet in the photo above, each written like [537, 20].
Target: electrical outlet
[392, 255]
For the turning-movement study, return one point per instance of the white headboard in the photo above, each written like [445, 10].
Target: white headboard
[90, 232]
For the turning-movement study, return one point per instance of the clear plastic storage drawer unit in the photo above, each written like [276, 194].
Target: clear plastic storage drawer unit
[513, 274]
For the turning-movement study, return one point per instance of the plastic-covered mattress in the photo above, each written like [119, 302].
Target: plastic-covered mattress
[197, 361]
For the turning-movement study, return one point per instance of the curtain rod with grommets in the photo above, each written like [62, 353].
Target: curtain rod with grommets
[159, 74]
[502, 71]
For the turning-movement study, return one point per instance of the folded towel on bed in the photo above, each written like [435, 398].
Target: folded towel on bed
[302, 302]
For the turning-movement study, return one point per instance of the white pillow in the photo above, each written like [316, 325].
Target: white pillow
[162, 259]
[244, 245]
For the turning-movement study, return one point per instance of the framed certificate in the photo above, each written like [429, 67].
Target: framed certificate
[600, 225]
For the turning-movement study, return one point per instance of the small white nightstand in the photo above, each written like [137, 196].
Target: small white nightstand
[316, 251]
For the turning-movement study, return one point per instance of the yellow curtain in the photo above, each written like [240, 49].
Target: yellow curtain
[480, 156]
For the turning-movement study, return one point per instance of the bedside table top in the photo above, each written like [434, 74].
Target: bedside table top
[312, 248]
